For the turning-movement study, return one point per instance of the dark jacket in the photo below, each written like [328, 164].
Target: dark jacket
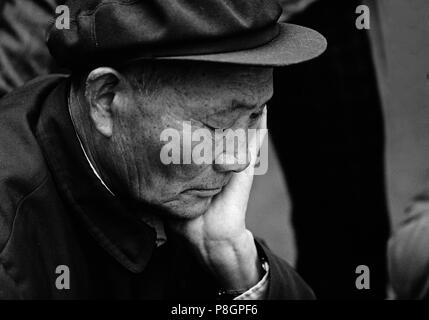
[54, 212]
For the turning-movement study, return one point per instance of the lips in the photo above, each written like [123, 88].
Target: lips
[208, 188]
[203, 193]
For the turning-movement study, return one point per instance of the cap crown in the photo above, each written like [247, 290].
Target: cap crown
[112, 30]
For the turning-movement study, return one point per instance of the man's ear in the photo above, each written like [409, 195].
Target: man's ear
[102, 86]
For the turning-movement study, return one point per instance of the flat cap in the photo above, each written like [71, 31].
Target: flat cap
[229, 31]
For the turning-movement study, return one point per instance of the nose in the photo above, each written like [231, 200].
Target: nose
[232, 161]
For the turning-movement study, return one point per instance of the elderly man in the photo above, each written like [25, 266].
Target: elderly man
[89, 209]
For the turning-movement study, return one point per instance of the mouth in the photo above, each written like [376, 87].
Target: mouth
[203, 193]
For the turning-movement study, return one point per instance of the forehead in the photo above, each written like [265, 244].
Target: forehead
[220, 87]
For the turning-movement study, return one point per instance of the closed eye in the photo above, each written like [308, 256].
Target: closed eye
[216, 128]
[255, 116]
[210, 127]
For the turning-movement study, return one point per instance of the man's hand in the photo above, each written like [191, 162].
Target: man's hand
[219, 237]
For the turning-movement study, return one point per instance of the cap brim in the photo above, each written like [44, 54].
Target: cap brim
[294, 44]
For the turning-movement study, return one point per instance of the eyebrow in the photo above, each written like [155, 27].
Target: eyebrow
[237, 105]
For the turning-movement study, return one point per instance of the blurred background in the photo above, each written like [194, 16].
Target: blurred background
[351, 133]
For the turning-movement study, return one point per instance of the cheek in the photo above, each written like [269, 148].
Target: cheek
[174, 148]
[182, 170]
[162, 181]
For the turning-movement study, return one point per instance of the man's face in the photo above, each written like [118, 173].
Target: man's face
[210, 97]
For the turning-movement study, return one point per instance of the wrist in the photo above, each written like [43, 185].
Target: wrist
[234, 261]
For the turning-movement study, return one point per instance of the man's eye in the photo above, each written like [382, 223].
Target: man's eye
[210, 127]
[223, 128]
[203, 125]
[255, 116]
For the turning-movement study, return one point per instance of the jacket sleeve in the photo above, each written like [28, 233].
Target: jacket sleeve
[284, 282]
[408, 255]
[8, 287]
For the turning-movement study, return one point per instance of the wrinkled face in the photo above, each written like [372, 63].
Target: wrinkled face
[207, 97]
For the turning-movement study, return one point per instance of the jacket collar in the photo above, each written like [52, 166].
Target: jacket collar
[114, 223]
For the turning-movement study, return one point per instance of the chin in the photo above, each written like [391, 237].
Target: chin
[188, 207]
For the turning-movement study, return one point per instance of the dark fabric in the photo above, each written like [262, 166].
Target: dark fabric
[54, 211]
[105, 30]
[326, 124]
[23, 52]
